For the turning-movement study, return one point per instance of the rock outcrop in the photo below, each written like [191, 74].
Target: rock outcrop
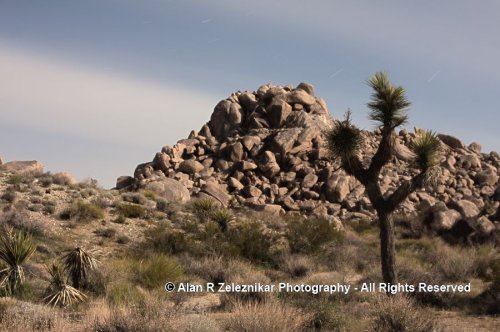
[266, 149]
[30, 167]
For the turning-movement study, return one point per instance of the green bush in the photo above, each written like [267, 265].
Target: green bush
[166, 240]
[131, 210]
[83, 211]
[247, 239]
[203, 208]
[308, 235]
[158, 269]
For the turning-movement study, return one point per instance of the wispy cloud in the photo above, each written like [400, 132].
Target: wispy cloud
[62, 97]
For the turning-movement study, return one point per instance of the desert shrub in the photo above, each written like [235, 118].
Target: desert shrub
[296, 266]
[249, 240]
[216, 268]
[82, 211]
[453, 264]
[63, 179]
[148, 315]
[131, 210]
[350, 255]
[149, 194]
[195, 323]
[269, 317]
[124, 292]
[45, 180]
[21, 221]
[308, 235]
[162, 205]
[22, 316]
[203, 208]
[165, 239]
[231, 299]
[17, 179]
[399, 313]
[156, 270]
[136, 198]
[222, 217]
[101, 201]
[106, 232]
[9, 195]
[49, 207]
[122, 239]
[120, 220]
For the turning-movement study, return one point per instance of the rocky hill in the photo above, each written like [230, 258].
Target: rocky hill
[266, 149]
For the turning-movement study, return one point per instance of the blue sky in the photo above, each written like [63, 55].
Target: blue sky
[95, 87]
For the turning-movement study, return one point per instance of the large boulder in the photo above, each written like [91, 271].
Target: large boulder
[217, 191]
[169, 189]
[466, 208]
[451, 141]
[336, 188]
[191, 166]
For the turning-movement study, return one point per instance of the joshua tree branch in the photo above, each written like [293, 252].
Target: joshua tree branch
[384, 152]
[404, 190]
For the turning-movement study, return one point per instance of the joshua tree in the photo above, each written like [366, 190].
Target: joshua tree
[388, 106]
[78, 263]
[15, 249]
[60, 292]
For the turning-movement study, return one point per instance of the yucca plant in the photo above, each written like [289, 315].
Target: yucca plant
[59, 291]
[222, 217]
[203, 208]
[16, 247]
[388, 106]
[78, 263]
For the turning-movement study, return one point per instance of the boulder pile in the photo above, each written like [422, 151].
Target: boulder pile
[266, 149]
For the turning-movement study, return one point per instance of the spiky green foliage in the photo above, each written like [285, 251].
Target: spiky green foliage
[59, 291]
[203, 208]
[78, 263]
[388, 103]
[427, 149]
[15, 250]
[222, 217]
[344, 139]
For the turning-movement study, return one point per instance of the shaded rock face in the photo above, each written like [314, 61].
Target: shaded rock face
[266, 149]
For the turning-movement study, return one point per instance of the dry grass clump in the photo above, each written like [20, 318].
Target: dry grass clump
[215, 268]
[152, 315]
[195, 323]
[20, 220]
[453, 264]
[230, 299]
[297, 266]
[398, 314]
[22, 316]
[269, 316]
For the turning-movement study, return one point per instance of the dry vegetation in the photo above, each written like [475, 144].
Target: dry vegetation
[137, 242]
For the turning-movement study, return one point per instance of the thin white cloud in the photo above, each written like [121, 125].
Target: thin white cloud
[62, 97]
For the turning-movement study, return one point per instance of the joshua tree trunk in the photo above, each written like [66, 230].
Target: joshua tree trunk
[387, 247]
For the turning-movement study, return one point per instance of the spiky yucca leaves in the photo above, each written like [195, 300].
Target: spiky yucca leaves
[344, 139]
[427, 149]
[222, 217]
[78, 263]
[59, 291]
[203, 208]
[388, 103]
[15, 249]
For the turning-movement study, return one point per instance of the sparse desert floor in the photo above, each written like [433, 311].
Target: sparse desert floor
[142, 241]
